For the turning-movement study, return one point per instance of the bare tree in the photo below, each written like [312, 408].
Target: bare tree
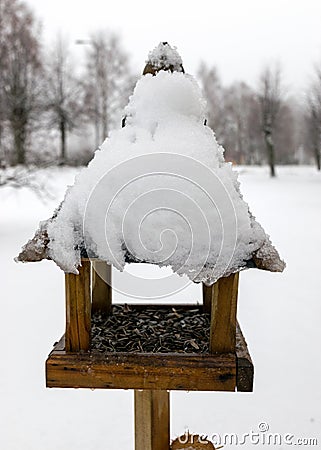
[287, 133]
[20, 70]
[313, 117]
[270, 97]
[108, 82]
[243, 138]
[233, 113]
[64, 92]
[238, 115]
[214, 93]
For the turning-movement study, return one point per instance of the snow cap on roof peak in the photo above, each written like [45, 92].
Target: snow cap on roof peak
[163, 57]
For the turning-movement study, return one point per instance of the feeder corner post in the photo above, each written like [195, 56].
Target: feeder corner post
[220, 301]
[78, 309]
[207, 298]
[101, 279]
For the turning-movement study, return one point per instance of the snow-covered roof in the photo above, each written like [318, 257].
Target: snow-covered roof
[158, 191]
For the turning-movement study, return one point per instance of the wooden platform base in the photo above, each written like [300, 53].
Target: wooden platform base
[153, 371]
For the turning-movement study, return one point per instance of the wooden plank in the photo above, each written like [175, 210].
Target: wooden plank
[185, 306]
[245, 368]
[223, 314]
[101, 287]
[207, 298]
[142, 371]
[78, 306]
[152, 420]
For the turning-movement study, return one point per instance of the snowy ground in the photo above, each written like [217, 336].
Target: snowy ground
[279, 313]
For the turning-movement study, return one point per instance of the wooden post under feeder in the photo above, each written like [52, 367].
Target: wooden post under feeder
[152, 420]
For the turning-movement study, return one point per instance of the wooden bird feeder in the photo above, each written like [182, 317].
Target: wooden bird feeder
[74, 363]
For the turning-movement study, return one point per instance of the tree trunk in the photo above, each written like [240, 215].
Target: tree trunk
[18, 124]
[317, 155]
[1, 132]
[1, 121]
[97, 129]
[62, 142]
[270, 152]
[19, 139]
[104, 113]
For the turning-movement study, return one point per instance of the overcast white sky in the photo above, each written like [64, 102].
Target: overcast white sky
[238, 36]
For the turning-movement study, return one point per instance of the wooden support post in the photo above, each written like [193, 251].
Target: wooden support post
[101, 287]
[78, 318]
[245, 368]
[207, 298]
[152, 420]
[223, 314]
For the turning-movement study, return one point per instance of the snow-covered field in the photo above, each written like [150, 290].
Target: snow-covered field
[279, 313]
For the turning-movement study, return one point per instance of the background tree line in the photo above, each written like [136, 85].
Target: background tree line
[54, 111]
[51, 110]
[266, 124]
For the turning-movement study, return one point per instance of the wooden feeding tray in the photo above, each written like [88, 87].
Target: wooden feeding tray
[116, 346]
